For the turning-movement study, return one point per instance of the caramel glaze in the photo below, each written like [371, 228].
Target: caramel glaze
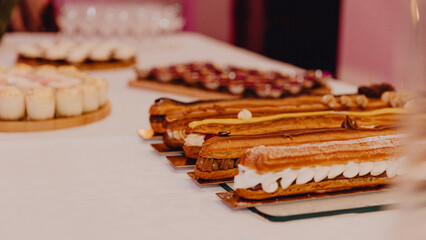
[223, 153]
[233, 146]
[306, 122]
[263, 107]
[272, 159]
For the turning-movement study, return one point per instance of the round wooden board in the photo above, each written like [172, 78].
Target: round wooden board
[57, 123]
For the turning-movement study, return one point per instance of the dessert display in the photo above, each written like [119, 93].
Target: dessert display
[238, 81]
[48, 92]
[219, 156]
[319, 167]
[81, 54]
[295, 146]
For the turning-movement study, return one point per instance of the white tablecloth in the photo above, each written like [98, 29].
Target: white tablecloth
[102, 181]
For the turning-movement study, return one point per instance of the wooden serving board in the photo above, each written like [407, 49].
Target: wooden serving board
[180, 90]
[57, 123]
[197, 92]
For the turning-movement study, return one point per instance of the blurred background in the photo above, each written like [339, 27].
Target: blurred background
[358, 41]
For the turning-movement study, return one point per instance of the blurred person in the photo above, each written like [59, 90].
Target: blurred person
[33, 15]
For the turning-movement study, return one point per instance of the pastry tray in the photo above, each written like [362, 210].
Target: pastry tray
[148, 134]
[161, 148]
[180, 161]
[202, 182]
[313, 206]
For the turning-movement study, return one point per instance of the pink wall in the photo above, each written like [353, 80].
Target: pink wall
[213, 18]
[375, 39]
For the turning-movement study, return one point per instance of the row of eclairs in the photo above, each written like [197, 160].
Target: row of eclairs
[290, 146]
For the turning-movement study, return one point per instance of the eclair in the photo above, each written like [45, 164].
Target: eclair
[219, 156]
[176, 122]
[319, 167]
[198, 131]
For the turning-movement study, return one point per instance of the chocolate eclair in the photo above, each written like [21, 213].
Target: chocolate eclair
[219, 156]
[176, 122]
[319, 167]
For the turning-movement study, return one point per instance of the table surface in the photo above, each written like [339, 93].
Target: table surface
[102, 181]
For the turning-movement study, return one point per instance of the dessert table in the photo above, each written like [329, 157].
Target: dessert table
[102, 181]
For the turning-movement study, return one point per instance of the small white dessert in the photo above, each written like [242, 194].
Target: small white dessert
[124, 53]
[40, 103]
[69, 102]
[12, 103]
[90, 97]
[102, 52]
[30, 51]
[102, 87]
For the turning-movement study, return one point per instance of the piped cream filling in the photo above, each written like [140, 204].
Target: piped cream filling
[194, 140]
[249, 178]
[176, 134]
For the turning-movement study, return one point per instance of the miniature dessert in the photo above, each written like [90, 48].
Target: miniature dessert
[47, 92]
[12, 103]
[82, 54]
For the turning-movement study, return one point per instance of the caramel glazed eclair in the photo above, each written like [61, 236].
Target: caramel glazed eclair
[320, 167]
[191, 111]
[177, 110]
[220, 155]
[176, 122]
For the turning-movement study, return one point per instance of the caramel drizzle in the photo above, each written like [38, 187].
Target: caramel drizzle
[382, 111]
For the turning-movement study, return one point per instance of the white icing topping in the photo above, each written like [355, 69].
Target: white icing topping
[194, 140]
[244, 114]
[351, 170]
[391, 171]
[269, 183]
[336, 170]
[365, 168]
[305, 175]
[379, 168]
[402, 166]
[248, 178]
[287, 178]
[321, 172]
